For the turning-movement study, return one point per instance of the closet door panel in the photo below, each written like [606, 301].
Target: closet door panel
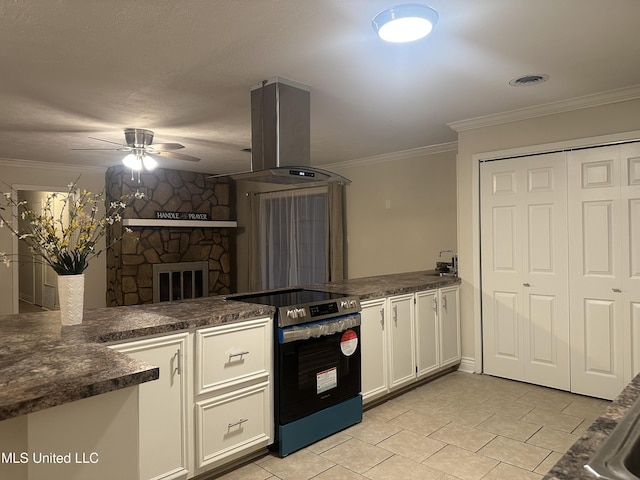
[630, 193]
[502, 269]
[596, 264]
[524, 269]
[545, 272]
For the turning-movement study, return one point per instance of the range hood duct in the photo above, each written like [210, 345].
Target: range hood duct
[281, 136]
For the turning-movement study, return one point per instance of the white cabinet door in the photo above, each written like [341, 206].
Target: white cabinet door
[402, 363]
[373, 349]
[162, 407]
[525, 310]
[427, 332]
[449, 326]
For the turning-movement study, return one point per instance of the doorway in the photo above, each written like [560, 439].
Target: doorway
[37, 283]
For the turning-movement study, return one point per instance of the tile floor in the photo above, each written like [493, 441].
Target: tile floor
[458, 427]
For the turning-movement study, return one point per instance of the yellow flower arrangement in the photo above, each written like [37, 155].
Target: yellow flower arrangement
[67, 239]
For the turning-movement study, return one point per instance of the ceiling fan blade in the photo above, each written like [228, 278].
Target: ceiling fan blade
[109, 141]
[120, 149]
[178, 156]
[165, 146]
[97, 149]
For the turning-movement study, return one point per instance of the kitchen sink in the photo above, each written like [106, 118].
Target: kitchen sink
[618, 458]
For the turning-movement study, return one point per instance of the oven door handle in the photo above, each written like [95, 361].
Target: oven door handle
[317, 329]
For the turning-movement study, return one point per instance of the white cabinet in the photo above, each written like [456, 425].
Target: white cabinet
[408, 337]
[374, 349]
[437, 330]
[162, 407]
[212, 402]
[402, 358]
[233, 393]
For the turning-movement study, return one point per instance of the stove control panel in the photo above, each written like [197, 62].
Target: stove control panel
[294, 315]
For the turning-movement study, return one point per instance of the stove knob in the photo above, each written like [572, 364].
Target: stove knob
[301, 313]
[293, 313]
[344, 304]
[352, 303]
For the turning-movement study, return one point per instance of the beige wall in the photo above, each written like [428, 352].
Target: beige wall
[38, 177]
[400, 213]
[578, 124]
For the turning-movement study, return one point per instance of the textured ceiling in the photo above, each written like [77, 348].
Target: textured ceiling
[73, 69]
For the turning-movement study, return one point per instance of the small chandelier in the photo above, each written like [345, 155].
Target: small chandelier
[405, 23]
[137, 160]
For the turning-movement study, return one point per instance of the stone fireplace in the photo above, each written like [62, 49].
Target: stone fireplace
[168, 243]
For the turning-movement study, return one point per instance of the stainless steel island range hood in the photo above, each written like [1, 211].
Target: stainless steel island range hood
[281, 138]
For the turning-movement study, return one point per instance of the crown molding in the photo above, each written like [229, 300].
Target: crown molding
[10, 162]
[561, 106]
[396, 156]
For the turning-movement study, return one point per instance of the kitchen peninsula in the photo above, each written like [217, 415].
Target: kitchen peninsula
[48, 368]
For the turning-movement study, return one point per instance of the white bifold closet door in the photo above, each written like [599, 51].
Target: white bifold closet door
[524, 251]
[604, 225]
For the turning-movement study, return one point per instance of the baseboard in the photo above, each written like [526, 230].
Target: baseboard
[467, 365]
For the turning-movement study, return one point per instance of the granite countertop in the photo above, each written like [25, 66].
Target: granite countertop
[571, 465]
[369, 288]
[43, 364]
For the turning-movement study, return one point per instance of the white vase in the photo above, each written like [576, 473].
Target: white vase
[71, 293]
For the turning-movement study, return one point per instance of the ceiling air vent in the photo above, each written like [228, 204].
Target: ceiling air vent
[527, 80]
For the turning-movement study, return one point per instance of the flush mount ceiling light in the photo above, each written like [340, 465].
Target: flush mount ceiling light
[405, 23]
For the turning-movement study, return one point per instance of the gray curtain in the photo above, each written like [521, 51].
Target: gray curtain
[255, 276]
[296, 237]
[335, 232]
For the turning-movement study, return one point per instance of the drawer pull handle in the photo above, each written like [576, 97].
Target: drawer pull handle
[616, 290]
[382, 317]
[395, 313]
[238, 423]
[239, 354]
[444, 303]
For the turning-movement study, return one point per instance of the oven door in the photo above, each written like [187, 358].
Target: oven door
[318, 366]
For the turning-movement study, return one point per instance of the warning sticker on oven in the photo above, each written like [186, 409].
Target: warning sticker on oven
[326, 380]
[349, 342]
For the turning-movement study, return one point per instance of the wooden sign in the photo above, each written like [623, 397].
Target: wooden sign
[182, 216]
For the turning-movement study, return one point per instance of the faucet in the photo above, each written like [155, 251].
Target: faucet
[454, 260]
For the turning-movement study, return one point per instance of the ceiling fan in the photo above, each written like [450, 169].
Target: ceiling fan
[140, 148]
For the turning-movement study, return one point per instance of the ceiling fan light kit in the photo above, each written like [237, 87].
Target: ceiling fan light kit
[140, 148]
[137, 160]
[405, 23]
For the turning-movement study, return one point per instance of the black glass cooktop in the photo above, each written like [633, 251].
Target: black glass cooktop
[285, 298]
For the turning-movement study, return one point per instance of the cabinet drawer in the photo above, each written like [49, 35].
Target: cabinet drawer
[229, 426]
[228, 355]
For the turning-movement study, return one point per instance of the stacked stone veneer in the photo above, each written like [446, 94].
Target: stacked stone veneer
[130, 261]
